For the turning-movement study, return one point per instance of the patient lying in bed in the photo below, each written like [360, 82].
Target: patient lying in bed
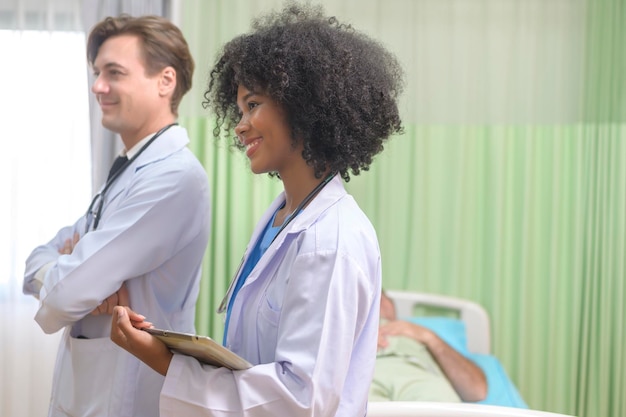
[414, 364]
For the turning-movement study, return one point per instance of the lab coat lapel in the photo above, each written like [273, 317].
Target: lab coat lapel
[259, 228]
[327, 197]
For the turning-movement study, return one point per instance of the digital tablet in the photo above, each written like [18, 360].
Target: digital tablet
[203, 348]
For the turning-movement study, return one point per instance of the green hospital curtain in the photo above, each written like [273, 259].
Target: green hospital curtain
[602, 357]
[507, 188]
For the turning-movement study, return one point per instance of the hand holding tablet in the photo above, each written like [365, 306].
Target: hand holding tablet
[203, 348]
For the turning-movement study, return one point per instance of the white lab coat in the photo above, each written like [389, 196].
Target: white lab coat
[306, 317]
[152, 235]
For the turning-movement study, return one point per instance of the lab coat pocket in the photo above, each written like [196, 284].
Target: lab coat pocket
[85, 381]
[269, 313]
[272, 303]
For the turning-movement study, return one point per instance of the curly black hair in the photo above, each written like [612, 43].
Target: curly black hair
[338, 87]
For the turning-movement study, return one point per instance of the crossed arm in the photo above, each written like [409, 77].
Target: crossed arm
[118, 298]
[126, 325]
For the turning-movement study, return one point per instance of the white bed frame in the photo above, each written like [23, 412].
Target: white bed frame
[431, 409]
[476, 319]
[478, 328]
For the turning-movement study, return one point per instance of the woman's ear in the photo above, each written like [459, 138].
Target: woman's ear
[167, 83]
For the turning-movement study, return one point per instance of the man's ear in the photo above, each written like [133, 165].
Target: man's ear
[167, 82]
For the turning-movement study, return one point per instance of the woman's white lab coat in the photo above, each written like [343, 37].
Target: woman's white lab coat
[152, 235]
[306, 317]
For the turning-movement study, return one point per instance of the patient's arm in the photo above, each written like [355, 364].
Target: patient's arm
[466, 377]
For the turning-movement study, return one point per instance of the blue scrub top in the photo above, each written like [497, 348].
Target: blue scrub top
[259, 249]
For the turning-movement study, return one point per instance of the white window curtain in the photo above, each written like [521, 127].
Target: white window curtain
[49, 175]
[50, 15]
[46, 179]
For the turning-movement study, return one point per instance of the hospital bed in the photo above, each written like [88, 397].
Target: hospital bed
[464, 325]
[430, 409]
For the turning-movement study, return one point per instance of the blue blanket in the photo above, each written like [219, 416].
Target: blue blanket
[501, 390]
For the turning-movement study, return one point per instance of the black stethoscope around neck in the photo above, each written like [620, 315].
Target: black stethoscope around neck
[92, 216]
[303, 203]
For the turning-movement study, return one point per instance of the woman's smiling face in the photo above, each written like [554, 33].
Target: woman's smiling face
[265, 133]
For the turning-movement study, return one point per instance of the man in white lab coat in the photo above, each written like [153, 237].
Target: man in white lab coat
[142, 241]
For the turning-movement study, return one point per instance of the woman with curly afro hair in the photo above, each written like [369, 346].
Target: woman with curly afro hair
[311, 101]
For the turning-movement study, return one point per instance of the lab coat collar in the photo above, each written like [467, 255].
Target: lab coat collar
[172, 140]
[328, 196]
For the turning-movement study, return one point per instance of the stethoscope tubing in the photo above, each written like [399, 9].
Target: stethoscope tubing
[100, 196]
